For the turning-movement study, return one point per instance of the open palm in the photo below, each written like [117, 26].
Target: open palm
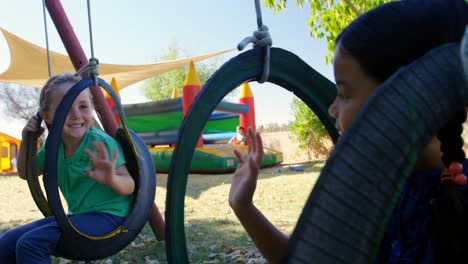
[103, 170]
[244, 182]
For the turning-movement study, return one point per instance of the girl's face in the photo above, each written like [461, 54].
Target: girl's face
[80, 115]
[354, 87]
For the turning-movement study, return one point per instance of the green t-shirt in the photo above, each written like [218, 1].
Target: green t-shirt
[82, 193]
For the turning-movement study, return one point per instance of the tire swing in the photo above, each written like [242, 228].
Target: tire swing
[76, 245]
[31, 175]
[286, 70]
[347, 212]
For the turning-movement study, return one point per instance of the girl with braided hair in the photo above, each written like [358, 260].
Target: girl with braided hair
[93, 177]
[429, 222]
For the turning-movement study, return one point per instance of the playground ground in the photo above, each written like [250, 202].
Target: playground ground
[212, 230]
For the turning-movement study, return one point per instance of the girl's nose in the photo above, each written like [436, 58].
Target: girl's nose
[332, 110]
[73, 113]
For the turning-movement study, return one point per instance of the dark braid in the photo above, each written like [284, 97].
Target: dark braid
[394, 35]
[451, 207]
[451, 139]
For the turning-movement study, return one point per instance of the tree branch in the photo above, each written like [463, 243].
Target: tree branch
[353, 7]
[20, 102]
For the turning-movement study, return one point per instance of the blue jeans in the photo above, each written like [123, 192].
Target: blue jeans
[35, 242]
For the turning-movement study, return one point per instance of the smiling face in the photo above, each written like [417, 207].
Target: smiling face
[80, 115]
[354, 88]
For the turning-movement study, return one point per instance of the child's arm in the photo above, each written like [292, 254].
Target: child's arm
[269, 240]
[104, 170]
[244, 140]
[33, 125]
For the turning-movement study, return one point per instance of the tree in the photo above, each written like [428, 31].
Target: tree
[329, 17]
[21, 102]
[307, 130]
[272, 127]
[160, 87]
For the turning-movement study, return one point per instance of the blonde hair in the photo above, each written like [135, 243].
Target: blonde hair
[50, 87]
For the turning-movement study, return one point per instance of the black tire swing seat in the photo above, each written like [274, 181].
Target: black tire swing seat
[347, 212]
[286, 70]
[74, 244]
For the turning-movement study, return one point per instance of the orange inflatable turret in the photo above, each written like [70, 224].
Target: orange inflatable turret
[192, 87]
[246, 97]
[175, 94]
[111, 102]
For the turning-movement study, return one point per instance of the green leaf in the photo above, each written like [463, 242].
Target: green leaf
[328, 17]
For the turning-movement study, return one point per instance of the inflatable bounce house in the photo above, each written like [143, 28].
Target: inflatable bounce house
[157, 123]
[10, 146]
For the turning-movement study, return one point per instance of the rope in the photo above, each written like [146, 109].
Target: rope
[92, 65]
[258, 11]
[46, 38]
[260, 38]
[90, 30]
[93, 72]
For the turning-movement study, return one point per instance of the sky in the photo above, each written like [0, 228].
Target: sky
[139, 32]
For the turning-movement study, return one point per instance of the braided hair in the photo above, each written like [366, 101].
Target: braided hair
[394, 35]
[451, 208]
[50, 88]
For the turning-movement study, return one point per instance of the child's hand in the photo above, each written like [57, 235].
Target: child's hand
[104, 168]
[244, 182]
[33, 125]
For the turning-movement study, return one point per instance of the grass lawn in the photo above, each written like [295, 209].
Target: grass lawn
[213, 232]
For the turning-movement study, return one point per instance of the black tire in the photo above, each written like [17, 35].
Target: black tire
[286, 70]
[73, 244]
[346, 214]
[31, 175]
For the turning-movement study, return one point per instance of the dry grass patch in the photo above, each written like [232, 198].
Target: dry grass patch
[213, 233]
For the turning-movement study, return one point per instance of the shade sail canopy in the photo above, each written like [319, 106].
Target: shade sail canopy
[28, 65]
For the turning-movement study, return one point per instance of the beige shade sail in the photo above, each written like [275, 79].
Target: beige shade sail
[28, 65]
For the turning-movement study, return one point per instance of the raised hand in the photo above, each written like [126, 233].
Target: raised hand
[244, 182]
[103, 170]
[33, 125]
